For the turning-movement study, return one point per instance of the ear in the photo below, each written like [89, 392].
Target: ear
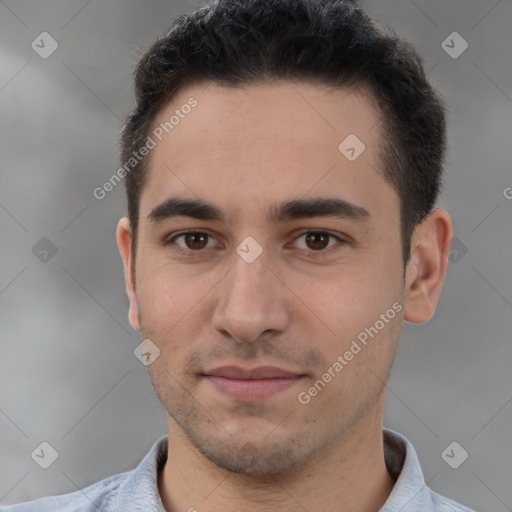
[426, 268]
[124, 242]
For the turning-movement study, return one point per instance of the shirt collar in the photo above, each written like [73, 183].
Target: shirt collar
[410, 493]
[140, 490]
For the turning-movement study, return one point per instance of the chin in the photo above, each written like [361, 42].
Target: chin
[257, 458]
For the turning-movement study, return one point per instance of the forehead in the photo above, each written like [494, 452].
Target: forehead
[304, 113]
[246, 146]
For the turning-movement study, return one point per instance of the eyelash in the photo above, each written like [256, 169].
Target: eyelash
[198, 252]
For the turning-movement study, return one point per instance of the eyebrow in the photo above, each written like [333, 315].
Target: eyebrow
[288, 210]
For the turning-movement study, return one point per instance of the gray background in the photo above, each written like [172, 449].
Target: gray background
[67, 369]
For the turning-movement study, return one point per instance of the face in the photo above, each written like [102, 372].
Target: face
[278, 306]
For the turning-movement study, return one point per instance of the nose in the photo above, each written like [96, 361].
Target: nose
[251, 301]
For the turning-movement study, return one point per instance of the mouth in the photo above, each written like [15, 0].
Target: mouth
[254, 384]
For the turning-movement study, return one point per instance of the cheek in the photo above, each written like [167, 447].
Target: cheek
[172, 306]
[169, 292]
[347, 305]
[342, 299]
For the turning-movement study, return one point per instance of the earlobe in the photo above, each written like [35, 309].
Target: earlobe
[124, 242]
[427, 265]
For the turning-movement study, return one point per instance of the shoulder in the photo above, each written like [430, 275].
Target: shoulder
[98, 496]
[132, 490]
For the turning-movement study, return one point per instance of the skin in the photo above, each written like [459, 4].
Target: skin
[296, 306]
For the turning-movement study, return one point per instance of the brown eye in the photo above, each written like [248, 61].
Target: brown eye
[196, 241]
[191, 243]
[317, 240]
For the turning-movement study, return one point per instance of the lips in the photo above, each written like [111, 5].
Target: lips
[262, 372]
[251, 384]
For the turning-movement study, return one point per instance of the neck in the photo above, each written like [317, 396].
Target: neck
[350, 475]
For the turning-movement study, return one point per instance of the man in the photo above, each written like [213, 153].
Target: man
[282, 165]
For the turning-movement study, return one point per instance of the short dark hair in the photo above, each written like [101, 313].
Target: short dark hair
[331, 42]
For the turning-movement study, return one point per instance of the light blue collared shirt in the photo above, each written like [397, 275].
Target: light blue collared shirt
[137, 490]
